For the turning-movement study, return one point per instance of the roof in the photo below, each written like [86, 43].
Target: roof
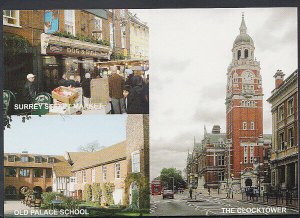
[31, 162]
[62, 169]
[216, 138]
[243, 37]
[103, 156]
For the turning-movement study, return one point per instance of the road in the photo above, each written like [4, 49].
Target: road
[208, 205]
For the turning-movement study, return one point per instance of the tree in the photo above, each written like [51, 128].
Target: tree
[167, 175]
[91, 147]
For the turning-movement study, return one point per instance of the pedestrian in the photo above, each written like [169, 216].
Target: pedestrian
[130, 75]
[135, 99]
[116, 87]
[191, 193]
[30, 89]
[63, 81]
[125, 94]
[209, 191]
[86, 90]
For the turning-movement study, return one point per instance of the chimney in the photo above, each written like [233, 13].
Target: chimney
[279, 77]
[216, 129]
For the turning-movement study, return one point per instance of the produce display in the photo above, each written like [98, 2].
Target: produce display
[65, 94]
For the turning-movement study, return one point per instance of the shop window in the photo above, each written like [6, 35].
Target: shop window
[117, 171]
[24, 172]
[48, 173]
[38, 173]
[11, 17]
[69, 21]
[221, 176]
[135, 157]
[24, 159]
[11, 158]
[38, 159]
[10, 172]
[291, 106]
[104, 172]
[291, 137]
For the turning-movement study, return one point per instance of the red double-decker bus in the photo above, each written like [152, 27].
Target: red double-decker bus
[156, 187]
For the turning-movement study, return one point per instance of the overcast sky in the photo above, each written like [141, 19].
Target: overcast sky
[190, 50]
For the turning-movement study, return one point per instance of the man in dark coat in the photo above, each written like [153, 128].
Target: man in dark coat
[116, 86]
[30, 89]
[135, 100]
[86, 89]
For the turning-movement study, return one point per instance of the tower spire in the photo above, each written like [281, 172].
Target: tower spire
[243, 27]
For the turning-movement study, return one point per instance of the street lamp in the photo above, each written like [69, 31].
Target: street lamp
[228, 143]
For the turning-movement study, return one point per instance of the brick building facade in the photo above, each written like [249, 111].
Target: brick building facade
[284, 153]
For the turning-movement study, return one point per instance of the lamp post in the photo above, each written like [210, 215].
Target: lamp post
[228, 143]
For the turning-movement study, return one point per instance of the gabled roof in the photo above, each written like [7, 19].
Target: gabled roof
[91, 159]
[62, 169]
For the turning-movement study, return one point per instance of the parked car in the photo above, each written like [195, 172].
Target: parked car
[168, 194]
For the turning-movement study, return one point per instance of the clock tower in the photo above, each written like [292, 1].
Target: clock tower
[244, 112]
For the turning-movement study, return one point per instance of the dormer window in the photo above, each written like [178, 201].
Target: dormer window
[51, 160]
[38, 159]
[11, 158]
[24, 159]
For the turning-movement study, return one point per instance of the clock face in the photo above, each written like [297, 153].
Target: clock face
[248, 77]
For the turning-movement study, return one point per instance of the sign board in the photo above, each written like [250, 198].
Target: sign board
[99, 91]
[44, 99]
[51, 23]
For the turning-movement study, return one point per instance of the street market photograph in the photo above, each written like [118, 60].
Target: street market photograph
[224, 111]
[73, 62]
[62, 169]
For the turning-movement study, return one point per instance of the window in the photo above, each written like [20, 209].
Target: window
[246, 53]
[244, 125]
[221, 176]
[280, 113]
[11, 158]
[72, 179]
[98, 28]
[38, 159]
[251, 153]
[48, 173]
[291, 106]
[24, 159]
[111, 34]
[84, 176]
[252, 126]
[11, 172]
[104, 172]
[11, 18]
[135, 157]
[221, 160]
[93, 175]
[239, 54]
[122, 13]
[38, 173]
[51, 160]
[291, 137]
[10, 191]
[245, 154]
[24, 172]
[70, 21]
[117, 171]
[123, 32]
[281, 141]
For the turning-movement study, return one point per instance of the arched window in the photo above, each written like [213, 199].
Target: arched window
[246, 53]
[239, 54]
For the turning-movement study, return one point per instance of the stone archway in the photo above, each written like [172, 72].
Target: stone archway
[10, 192]
[38, 190]
[248, 182]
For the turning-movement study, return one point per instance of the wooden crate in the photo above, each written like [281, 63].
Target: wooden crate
[65, 99]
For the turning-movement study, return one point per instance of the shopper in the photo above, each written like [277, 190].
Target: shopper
[116, 86]
[30, 89]
[135, 100]
[125, 94]
[63, 81]
[86, 89]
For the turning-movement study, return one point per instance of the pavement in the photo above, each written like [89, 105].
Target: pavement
[204, 204]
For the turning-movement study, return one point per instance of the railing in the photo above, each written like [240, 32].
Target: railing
[278, 198]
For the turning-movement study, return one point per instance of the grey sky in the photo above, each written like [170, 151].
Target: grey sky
[190, 50]
[57, 134]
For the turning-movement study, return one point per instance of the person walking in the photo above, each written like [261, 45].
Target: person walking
[30, 89]
[135, 99]
[191, 193]
[116, 87]
[86, 89]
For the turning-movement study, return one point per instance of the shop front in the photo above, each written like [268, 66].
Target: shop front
[71, 57]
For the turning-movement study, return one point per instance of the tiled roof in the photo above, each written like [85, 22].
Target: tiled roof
[62, 169]
[31, 162]
[90, 159]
